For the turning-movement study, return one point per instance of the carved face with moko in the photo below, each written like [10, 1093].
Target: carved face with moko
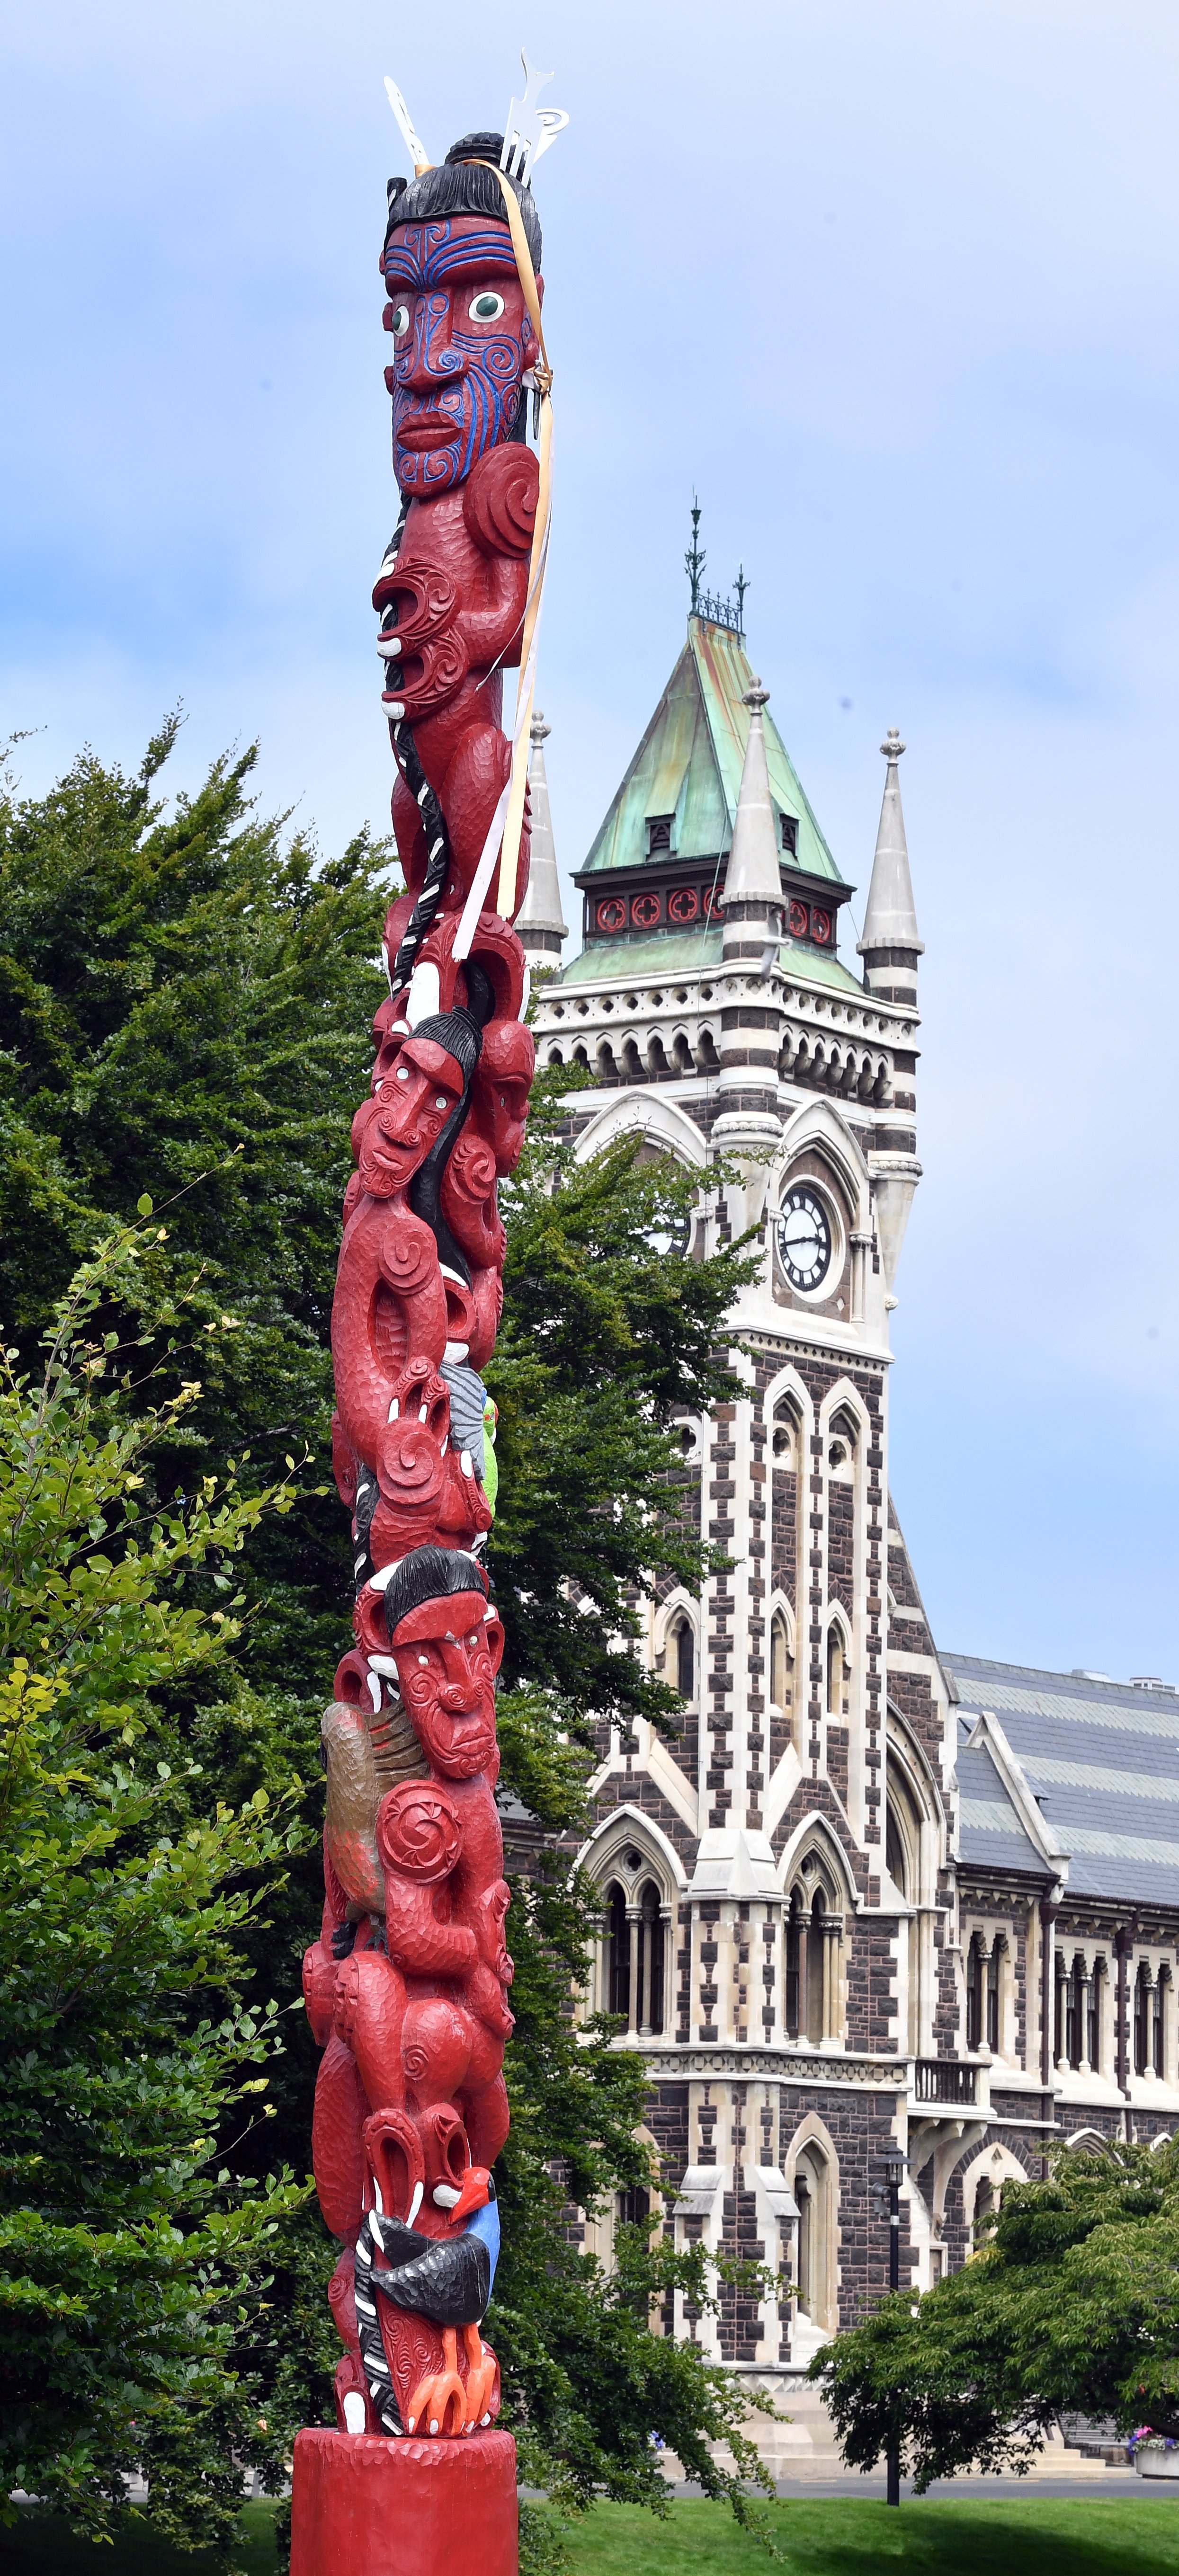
[462, 341]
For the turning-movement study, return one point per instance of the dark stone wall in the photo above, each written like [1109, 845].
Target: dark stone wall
[871, 1969]
[634, 1787]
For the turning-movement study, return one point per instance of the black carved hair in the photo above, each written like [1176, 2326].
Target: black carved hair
[430, 1574]
[461, 1033]
[460, 187]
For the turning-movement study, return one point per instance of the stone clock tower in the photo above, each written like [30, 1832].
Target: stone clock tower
[750, 1915]
[837, 1913]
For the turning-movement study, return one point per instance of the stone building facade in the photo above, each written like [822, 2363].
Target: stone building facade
[877, 1896]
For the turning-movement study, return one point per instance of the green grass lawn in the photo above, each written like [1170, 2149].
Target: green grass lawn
[1101, 2536]
[1026, 2536]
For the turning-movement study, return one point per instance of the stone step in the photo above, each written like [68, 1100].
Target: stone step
[806, 2445]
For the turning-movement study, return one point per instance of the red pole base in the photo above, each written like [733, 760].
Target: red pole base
[365, 2506]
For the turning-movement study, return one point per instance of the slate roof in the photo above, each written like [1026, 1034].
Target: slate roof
[989, 1826]
[1103, 1760]
[689, 764]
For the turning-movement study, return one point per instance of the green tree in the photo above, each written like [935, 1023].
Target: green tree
[186, 996]
[607, 1335]
[188, 1000]
[1071, 2306]
[132, 2256]
[186, 992]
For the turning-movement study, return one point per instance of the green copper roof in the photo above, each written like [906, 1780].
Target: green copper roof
[689, 764]
[810, 965]
[664, 954]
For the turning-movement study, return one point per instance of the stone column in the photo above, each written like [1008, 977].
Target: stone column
[1086, 2005]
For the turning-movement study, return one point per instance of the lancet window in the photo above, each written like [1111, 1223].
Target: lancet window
[781, 1665]
[1077, 2027]
[986, 1970]
[1151, 1995]
[837, 1661]
[814, 1943]
[678, 1661]
[635, 1947]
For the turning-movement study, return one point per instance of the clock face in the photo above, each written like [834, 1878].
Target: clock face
[804, 1238]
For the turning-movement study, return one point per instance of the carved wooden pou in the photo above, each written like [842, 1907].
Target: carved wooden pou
[407, 1986]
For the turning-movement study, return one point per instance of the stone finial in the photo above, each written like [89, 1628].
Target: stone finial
[890, 921]
[753, 874]
[539, 920]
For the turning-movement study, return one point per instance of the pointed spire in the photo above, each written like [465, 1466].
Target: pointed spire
[695, 558]
[747, 1089]
[538, 922]
[890, 921]
[754, 872]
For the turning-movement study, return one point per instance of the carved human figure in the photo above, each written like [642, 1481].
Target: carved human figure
[407, 1986]
[453, 586]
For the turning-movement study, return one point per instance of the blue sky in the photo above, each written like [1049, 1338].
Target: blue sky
[894, 288]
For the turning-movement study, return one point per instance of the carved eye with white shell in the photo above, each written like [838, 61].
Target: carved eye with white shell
[399, 320]
[423, 1659]
[486, 306]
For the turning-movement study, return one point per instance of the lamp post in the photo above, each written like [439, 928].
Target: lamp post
[893, 2166]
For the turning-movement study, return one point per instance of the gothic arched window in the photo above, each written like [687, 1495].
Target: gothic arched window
[781, 1663]
[992, 2014]
[974, 1995]
[836, 1669]
[650, 1963]
[617, 1953]
[815, 1965]
[1142, 2020]
[816, 2219]
[685, 1659]
[895, 1853]
[632, 1976]
[794, 1957]
[814, 1930]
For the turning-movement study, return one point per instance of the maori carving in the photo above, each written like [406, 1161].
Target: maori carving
[407, 1987]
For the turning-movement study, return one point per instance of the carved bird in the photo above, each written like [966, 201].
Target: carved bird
[447, 2279]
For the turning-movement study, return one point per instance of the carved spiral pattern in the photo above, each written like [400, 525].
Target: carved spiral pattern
[418, 1831]
[499, 501]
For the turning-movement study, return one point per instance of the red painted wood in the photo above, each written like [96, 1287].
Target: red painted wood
[362, 2506]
